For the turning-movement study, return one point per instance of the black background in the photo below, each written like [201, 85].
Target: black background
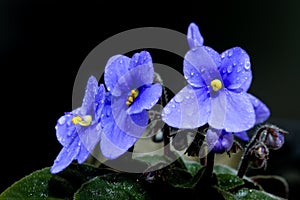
[42, 45]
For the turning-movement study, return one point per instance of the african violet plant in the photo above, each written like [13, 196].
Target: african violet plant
[212, 114]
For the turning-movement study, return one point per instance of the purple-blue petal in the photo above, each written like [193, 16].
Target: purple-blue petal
[115, 68]
[214, 55]
[194, 37]
[89, 137]
[262, 112]
[65, 157]
[231, 111]
[88, 105]
[189, 108]
[147, 98]
[65, 130]
[236, 69]
[99, 101]
[83, 154]
[240, 114]
[199, 60]
[142, 58]
[242, 135]
[219, 141]
[118, 136]
[135, 78]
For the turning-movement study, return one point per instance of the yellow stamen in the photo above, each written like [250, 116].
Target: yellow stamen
[216, 85]
[133, 95]
[85, 121]
[130, 99]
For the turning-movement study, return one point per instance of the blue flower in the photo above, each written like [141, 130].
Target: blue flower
[217, 90]
[79, 131]
[219, 141]
[131, 93]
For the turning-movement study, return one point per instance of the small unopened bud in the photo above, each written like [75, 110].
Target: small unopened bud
[274, 137]
[258, 155]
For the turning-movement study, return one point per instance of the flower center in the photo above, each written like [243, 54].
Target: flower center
[133, 95]
[216, 85]
[83, 121]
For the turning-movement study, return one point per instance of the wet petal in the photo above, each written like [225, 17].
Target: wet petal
[262, 112]
[99, 101]
[118, 138]
[194, 37]
[87, 106]
[142, 58]
[189, 108]
[219, 141]
[242, 135]
[236, 69]
[240, 114]
[83, 154]
[115, 68]
[65, 157]
[65, 130]
[200, 68]
[214, 55]
[147, 98]
[89, 137]
[134, 79]
[231, 111]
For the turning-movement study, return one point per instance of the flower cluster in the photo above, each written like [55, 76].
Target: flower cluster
[114, 114]
[216, 94]
[115, 118]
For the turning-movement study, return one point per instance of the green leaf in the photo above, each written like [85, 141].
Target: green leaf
[229, 181]
[180, 178]
[32, 186]
[111, 187]
[273, 184]
[190, 165]
[41, 184]
[224, 169]
[247, 194]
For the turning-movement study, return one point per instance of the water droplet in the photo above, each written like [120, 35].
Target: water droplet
[62, 120]
[178, 98]
[173, 105]
[247, 65]
[187, 97]
[229, 69]
[223, 55]
[234, 63]
[121, 61]
[230, 52]
[166, 111]
[239, 68]
[192, 73]
[224, 70]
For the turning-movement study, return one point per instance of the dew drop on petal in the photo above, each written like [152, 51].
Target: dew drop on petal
[192, 73]
[239, 68]
[230, 52]
[247, 65]
[121, 61]
[224, 70]
[167, 111]
[229, 69]
[178, 98]
[62, 120]
[223, 55]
